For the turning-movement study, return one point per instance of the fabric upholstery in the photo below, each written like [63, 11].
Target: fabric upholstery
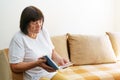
[44, 78]
[60, 43]
[90, 49]
[60, 76]
[5, 72]
[115, 40]
[93, 72]
[15, 76]
[84, 49]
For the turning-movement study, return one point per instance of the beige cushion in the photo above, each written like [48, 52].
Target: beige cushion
[60, 43]
[90, 49]
[15, 76]
[5, 72]
[115, 40]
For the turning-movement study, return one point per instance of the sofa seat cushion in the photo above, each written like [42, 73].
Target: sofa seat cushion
[90, 49]
[93, 72]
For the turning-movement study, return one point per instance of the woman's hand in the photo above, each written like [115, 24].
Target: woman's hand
[41, 60]
[47, 68]
[58, 59]
[63, 61]
[42, 63]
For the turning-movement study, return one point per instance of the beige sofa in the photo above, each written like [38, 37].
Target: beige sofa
[95, 57]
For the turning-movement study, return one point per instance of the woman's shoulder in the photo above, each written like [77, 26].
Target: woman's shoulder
[18, 35]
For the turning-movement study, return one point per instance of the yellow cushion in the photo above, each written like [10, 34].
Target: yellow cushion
[115, 40]
[5, 72]
[57, 76]
[60, 43]
[90, 49]
[43, 78]
[93, 72]
[60, 76]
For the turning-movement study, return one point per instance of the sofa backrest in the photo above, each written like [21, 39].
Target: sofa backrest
[60, 44]
[73, 49]
[5, 71]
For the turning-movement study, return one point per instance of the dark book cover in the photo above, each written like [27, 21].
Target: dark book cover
[51, 63]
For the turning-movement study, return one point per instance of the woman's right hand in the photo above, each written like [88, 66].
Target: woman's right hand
[41, 62]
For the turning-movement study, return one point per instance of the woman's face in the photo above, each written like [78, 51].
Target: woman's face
[35, 26]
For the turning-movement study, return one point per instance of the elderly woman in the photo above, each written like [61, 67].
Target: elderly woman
[30, 44]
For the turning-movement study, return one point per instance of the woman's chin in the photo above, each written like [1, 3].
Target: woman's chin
[37, 31]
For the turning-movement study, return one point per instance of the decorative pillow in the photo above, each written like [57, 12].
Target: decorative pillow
[90, 49]
[60, 43]
[115, 40]
[5, 72]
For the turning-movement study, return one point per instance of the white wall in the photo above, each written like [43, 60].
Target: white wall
[117, 15]
[61, 16]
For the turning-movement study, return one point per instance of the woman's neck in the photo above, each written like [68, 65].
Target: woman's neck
[32, 35]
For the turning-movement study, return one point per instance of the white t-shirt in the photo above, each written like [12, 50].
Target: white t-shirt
[25, 49]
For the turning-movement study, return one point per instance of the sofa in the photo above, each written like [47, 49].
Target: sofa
[94, 57]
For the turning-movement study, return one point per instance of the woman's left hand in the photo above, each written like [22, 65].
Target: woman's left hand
[62, 61]
[58, 59]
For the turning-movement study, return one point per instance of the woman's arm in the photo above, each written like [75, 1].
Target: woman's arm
[58, 59]
[23, 66]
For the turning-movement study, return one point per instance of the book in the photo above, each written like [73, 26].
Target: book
[66, 65]
[51, 63]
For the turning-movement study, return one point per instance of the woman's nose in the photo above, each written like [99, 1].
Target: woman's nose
[39, 24]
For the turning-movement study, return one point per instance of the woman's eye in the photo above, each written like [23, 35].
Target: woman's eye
[34, 23]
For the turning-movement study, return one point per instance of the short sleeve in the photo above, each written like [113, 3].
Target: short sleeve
[47, 36]
[16, 50]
